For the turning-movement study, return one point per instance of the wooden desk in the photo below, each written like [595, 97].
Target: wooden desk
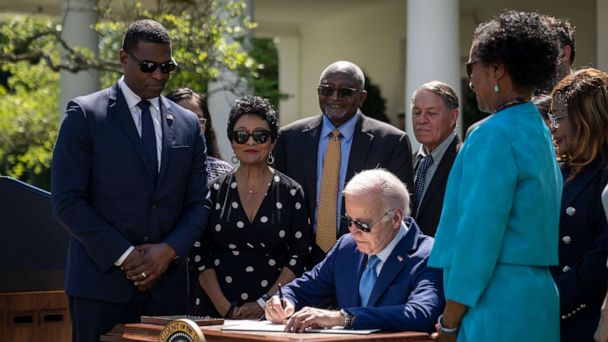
[213, 333]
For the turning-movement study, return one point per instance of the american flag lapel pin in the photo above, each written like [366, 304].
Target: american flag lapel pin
[400, 258]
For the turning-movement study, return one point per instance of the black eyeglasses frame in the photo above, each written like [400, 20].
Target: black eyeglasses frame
[259, 136]
[148, 67]
[363, 226]
[327, 90]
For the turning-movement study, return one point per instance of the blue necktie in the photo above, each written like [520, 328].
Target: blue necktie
[368, 279]
[148, 136]
[425, 162]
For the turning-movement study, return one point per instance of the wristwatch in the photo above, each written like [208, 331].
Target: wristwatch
[348, 319]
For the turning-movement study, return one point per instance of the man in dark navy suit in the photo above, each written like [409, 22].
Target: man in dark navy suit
[377, 274]
[129, 185]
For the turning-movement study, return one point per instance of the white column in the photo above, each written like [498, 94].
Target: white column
[221, 96]
[432, 50]
[288, 48]
[79, 18]
[602, 35]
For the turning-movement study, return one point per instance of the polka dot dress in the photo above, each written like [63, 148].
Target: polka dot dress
[249, 256]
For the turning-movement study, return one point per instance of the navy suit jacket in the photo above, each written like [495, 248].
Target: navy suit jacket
[427, 216]
[583, 248]
[407, 295]
[103, 192]
[375, 144]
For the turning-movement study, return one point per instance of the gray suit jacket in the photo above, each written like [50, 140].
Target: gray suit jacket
[375, 145]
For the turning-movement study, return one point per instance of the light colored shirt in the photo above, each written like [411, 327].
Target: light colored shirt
[347, 131]
[437, 154]
[132, 101]
[384, 254]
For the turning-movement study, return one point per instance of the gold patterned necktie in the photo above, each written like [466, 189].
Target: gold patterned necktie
[327, 211]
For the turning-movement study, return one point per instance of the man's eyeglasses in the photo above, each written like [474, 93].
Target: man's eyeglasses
[326, 90]
[363, 226]
[555, 119]
[469, 66]
[260, 136]
[148, 67]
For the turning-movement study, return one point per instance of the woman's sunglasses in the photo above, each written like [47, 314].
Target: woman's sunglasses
[148, 67]
[260, 136]
[326, 90]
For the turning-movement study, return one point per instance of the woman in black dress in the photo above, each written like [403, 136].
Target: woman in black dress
[259, 232]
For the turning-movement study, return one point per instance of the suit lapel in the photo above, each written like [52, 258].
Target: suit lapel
[362, 142]
[361, 262]
[440, 175]
[310, 137]
[118, 109]
[394, 264]
[167, 119]
[578, 184]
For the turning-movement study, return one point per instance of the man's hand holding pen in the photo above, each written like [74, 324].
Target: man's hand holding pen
[277, 310]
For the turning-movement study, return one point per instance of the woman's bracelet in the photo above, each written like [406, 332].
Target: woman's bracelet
[444, 330]
[231, 309]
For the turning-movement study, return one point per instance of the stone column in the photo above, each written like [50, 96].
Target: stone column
[432, 50]
[602, 35]
[79, 18]
[288, 48]
[221, 96]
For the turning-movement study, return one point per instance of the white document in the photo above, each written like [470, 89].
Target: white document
[267, 326]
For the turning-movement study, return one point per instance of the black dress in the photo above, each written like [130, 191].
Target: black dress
[249, 256]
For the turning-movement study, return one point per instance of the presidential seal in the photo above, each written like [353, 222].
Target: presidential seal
[181, 330]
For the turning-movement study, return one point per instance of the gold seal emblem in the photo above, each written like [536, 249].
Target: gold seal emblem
[181, 330]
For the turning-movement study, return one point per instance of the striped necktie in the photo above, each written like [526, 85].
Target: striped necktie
[148, 136]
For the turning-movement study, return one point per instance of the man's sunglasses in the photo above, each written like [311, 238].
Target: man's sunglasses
[148, 67]
[363, 226]
[326, 90]
[260, 136]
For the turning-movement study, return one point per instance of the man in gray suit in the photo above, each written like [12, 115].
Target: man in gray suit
[364, 143]
[434, 117]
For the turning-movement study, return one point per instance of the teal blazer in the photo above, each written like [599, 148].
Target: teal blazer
[501, 204]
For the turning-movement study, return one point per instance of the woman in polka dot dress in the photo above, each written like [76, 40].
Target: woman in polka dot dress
[259, 232]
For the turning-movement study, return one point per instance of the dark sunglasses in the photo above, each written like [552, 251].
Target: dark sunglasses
[260, 136]
[326, 90]
[363, 226]
[148, 67]
[469, 66]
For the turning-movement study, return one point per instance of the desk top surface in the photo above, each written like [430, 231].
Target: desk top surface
[213, 333]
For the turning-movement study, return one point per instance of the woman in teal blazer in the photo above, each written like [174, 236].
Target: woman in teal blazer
[497, 234]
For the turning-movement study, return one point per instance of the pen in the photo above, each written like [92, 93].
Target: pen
[281, 297]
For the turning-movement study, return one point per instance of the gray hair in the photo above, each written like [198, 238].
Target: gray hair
[345, 67]
[441, 89]
[383, 185]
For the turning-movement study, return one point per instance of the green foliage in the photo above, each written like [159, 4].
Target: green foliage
[28, 122]
[375, 105]
[208, 36]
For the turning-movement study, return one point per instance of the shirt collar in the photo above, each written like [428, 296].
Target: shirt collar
[439, 151]
[386, 252]
[133, 99]
[347, 129]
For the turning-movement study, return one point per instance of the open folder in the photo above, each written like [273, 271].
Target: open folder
[267, 326]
